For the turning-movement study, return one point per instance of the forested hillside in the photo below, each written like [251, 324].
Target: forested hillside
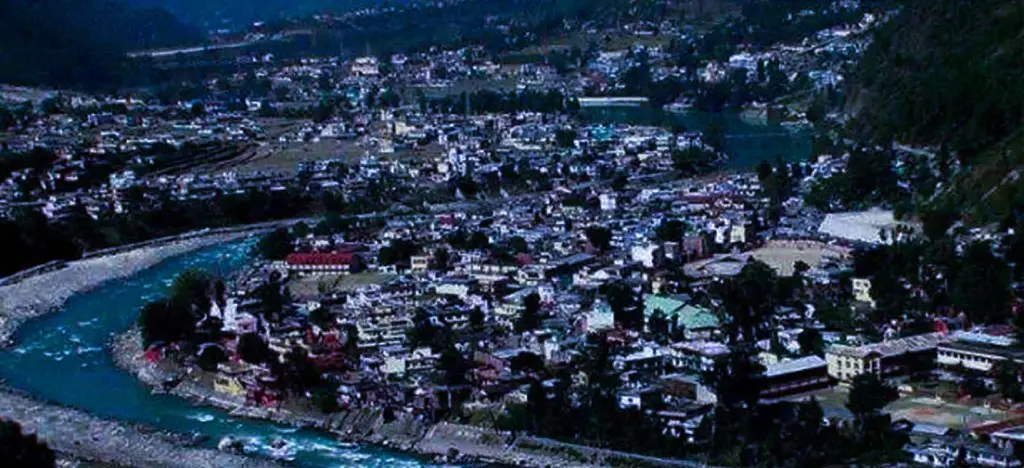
[238, 13]
[948, 74]
[80, 43]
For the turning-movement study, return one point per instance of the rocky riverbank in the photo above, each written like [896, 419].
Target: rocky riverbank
[444, 441]
[37, 295]
[84, 436]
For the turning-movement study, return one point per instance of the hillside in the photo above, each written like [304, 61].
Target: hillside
[948, 74]
[80, 43]
[240, 13]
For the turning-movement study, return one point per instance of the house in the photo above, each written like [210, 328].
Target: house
[599, 318]
[419, 263]
[228, 380]
[649, 360]
[688, 387]
[697, 357]
[945, 451]
[305, 262]
[976, 352]
[649, 256]
[697, 322]
[887, 359]
[608, 201]
[794, 376]
[862, 291]
[457, 287]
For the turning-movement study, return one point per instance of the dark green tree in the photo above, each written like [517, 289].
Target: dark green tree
[869, 394]
[21, 450]
[165, 321]
[277, 244]
[658, 326]
[253, 349]
[1007, 377]
[530, 318]
[600, 238]
[811, 342]
[982, 286]
[670, 230]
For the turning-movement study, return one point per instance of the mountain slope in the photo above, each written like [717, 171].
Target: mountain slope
[238, 13]
[79, 43]
[948, 73]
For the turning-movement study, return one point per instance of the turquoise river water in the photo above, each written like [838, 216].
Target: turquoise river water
[64, 358]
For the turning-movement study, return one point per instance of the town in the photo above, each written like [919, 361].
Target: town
[545, 251]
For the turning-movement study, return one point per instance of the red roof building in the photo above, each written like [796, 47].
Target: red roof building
[322, 261]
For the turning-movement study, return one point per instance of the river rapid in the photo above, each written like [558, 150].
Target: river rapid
[64, 358]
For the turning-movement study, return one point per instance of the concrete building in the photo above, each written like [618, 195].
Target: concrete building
[886, 359]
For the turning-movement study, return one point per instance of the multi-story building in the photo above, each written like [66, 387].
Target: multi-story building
[794, 376]
[886, 359]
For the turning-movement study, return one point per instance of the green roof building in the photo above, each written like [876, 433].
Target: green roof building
[689, 316]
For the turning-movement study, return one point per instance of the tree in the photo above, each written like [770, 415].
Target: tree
[442, 259]
[750, 299]
[527, 361]
[973, 385]
[192, 290]
[21, 450]
[537, 403]
[210, 355]
[477, 318]
[530, 318]
[764, 171]
[454, 366]
[300, 230]
[253, 349]
[565, 138]
[982, 286]
[619, 182]
[670, 230]
[518, 245]
[325, 398]
[478, 241]
[1018, 329]
[811, 342]
[624, 304]
[277, 244]
[600, 238]
[658, 326]
[165, 321]
[1007, 377]
[693, 160]
[738, 379]
[869, 394]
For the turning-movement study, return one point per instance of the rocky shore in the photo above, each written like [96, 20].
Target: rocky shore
[446, 442]
[45, 292]
[74, 432]
[79, 438]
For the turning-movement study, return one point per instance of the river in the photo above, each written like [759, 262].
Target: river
[747, 142]
[64, 358]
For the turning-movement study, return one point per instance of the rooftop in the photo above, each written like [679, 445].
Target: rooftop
[910, 344]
